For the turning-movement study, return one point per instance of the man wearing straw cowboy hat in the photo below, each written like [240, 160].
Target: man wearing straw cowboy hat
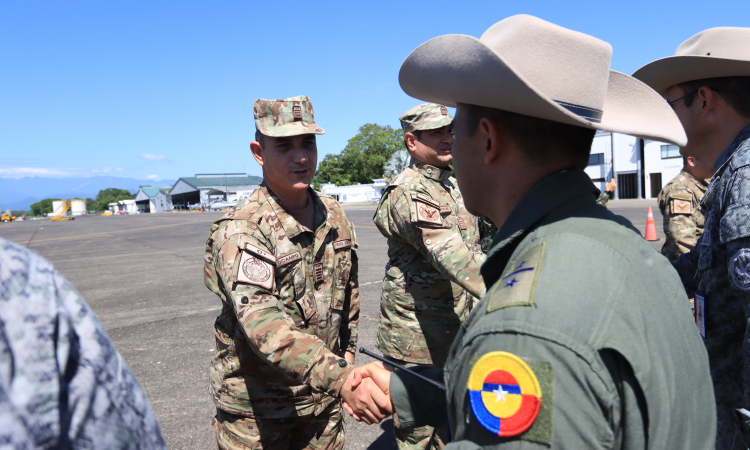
[707, 83]
[569, 348]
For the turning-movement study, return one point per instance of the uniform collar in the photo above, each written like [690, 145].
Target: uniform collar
[701, 183]
[568, 190]
[290, 224]
[729, 151]
[430, 171]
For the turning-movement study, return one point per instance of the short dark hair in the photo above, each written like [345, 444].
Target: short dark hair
[259, 137]
[541, 139]
[734, 90]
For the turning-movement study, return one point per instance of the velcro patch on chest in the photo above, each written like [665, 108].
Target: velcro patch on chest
[343, 243]
[517, 287]
[445, 209]
[318, 269]
[255, 271]
[680, 206]
[286, 259]
[461, 223]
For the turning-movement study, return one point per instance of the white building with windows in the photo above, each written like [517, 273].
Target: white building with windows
[356, 193]
[641, 167]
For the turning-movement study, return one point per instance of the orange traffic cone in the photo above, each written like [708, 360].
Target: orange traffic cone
[650, 228]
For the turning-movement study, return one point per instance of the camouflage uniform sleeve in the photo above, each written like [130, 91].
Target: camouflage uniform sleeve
[350, 325]
[603, 199]
[442, 246]
[682, 231]
[269, 330]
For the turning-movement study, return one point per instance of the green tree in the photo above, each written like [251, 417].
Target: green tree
[90, 205]
[43, 207]
[364, 156]
[111, 195]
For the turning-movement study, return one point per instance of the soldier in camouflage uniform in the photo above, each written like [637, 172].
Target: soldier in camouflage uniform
[284, 264]
[62, 382]
[710, 92]
[432, 277]
[679, 203]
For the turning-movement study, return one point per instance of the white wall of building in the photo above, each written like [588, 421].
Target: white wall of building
[355, 193]
[661, 166]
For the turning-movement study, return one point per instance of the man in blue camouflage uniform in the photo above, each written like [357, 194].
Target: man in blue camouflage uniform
[707, 83]
[62, 383]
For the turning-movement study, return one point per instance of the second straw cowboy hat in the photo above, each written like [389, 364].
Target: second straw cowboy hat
[528, 66]
[713, 53]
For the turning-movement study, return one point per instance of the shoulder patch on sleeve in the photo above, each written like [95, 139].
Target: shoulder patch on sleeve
[513, 397]
[517, 287]
[255, 271]
[739, 269]
[260, 252]
[681, 205]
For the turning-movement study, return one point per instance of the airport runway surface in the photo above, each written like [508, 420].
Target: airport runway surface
[142, 276]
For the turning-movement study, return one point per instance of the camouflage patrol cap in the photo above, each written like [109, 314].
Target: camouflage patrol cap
[289, 117]
[426, 116]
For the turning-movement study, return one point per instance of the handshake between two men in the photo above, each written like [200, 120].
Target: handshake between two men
[366, 393]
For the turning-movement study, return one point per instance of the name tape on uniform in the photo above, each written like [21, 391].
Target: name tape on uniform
[343, 243]
[286, 259]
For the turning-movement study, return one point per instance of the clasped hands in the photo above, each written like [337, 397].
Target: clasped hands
[366, 393]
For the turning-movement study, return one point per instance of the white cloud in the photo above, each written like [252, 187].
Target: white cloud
[20, 172]
[151, 157]
[153, 177]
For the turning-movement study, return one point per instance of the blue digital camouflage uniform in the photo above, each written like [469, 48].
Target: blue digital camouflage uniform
[718, 266]
[62, 383]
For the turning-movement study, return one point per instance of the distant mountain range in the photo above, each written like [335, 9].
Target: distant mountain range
[19, 193]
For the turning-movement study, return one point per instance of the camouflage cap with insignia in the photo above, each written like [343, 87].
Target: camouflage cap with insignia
[426, 116]
[289, 117]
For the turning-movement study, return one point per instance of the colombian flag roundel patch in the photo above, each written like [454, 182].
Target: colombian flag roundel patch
[505, 394]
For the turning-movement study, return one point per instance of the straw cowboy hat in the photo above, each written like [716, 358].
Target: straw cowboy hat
[713, 53]
[528, 66]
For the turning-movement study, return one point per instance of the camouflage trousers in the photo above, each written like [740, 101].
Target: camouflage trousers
[418, 438]
[322, 432]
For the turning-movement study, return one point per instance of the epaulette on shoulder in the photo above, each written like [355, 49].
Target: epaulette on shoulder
[402, 177]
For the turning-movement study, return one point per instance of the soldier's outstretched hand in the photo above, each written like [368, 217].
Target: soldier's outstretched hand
[365, 401]
[611, 186]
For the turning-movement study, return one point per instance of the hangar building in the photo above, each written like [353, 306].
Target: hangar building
[192, 191]
[153, 199]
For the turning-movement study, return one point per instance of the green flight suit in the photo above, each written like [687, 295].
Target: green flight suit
[600, 319]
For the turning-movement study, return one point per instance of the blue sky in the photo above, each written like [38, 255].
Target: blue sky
[164, 89]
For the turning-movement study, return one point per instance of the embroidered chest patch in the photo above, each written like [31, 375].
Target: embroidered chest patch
[517, 287]
[255, 271]
[461, 223]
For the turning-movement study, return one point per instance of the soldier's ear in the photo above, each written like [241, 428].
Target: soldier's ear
[257, 150]
[410, 141]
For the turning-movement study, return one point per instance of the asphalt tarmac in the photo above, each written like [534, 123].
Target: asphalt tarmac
[142, 276]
